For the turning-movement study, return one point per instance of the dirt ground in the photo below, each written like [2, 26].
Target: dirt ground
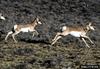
[36, 52]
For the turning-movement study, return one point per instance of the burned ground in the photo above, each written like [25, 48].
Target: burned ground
[36, 52]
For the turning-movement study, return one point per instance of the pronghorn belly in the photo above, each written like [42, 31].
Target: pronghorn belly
[25, 29]
[75, 33]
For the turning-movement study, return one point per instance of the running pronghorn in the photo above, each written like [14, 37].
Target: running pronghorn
[2, 17]
[29, 27]
[76, 32]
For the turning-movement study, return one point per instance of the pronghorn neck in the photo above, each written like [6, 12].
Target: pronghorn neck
[87, 28]
[34, 22]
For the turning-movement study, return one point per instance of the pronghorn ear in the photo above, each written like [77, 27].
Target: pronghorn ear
[0, 14]
[37, 18]
[90, 24]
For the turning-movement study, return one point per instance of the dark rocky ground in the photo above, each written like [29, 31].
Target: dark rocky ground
[36, 53]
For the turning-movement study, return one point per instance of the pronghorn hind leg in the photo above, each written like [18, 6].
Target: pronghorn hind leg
[56, 36]
[8, 35]
[13, 36]
[55, 40]
[85, 43]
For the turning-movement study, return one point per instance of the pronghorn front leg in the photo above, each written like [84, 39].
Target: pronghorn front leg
[89, 39]
[35, 32]
[56, 40]
[85, 43]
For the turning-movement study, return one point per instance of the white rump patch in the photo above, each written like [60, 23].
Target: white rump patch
[64, 28]
[76, 33]
[15, 26]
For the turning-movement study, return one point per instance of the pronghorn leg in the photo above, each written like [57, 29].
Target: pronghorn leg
[56, 36]
[85, 42]
[13, 36]
[56, 40]
[35, 32]
[89, 39]
[8, 35]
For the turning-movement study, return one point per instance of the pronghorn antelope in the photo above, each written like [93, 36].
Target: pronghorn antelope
[2, 17]
[29, 27]
[76, 32]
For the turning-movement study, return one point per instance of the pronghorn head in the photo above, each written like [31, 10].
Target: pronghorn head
[38, 21]
[64, 28]
[1, 17]
[90, 27]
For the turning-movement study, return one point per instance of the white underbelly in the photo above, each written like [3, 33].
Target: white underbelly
[25, 29]
[76, 34]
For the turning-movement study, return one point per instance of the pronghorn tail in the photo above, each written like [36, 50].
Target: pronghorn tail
[14, 28]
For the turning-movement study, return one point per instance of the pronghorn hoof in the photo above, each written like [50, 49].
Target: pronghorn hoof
[94, 45]
[16, 42]
[6, 41]
[52, 44]
[52, 40]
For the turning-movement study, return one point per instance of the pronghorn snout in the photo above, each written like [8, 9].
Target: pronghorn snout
[90, 26]
[2, 17]
[39, 22]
